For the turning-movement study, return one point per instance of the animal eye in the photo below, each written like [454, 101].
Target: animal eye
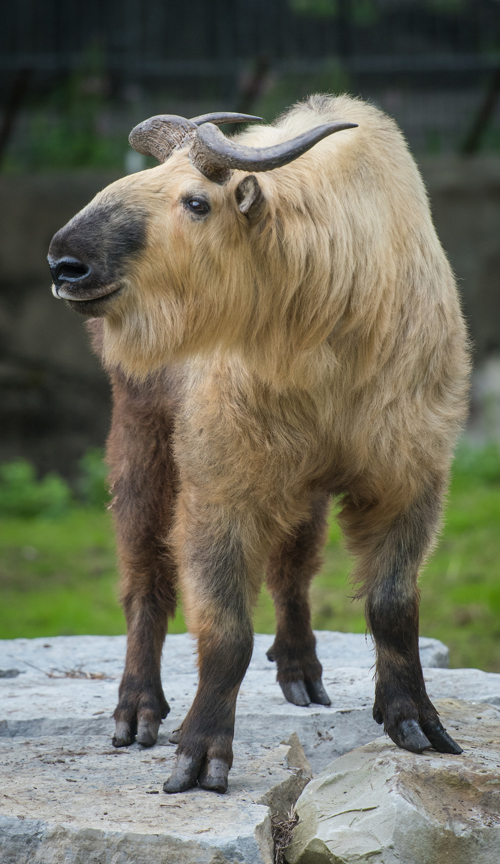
[198, 206]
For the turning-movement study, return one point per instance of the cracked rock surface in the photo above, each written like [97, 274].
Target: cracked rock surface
[68, 796]
[79, 800]
[383, 805]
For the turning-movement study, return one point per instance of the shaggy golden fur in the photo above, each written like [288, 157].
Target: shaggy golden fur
[319, 349]
[325, 340]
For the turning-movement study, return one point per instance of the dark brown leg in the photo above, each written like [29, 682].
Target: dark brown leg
[143, 482]
[289, 574]
[392, 552]
[218, 590]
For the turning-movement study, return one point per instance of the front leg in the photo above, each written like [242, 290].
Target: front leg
[141, 701]
[143, 479]
[220, 582]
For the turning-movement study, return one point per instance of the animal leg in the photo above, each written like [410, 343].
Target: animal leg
[142, 704]
[289, 574]
[143, 478]
[392, 555]
[218, 593]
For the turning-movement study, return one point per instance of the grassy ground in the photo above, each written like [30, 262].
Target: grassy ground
[58, 572]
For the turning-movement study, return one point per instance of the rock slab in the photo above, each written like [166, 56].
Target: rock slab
[383, 805]
[81, 801]
[67, 797]
[68, 684]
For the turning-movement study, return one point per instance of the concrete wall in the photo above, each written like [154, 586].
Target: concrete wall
[465, 200]
[54, 398]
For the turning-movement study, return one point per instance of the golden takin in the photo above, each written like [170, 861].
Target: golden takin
[280, 325]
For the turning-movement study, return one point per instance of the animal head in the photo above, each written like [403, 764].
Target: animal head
[186, 257]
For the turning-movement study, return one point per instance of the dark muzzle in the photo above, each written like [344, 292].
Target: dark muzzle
[89, 257]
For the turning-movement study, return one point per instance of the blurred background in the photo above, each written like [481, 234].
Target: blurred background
[75, 77]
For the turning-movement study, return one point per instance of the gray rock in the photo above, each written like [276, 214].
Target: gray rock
[80, 800]
[70, 685]
[383, 805]
[60, 710]
[103, 656]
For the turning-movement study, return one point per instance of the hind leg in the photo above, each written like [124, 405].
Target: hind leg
[290, 570]
[391, 550]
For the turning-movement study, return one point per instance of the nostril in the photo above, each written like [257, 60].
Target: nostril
[69, 270]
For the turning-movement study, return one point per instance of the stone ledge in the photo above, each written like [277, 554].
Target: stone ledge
[381, 805]
[80, 800]
[67, 795]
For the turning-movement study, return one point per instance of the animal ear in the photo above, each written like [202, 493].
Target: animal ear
[250, 198]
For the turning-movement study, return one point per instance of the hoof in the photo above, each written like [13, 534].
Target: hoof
[317, 692]
[175, 737]
[147, 732]
[440, 740]
[304, 692]
[184, 775]
[123, 734]
[408, 735]
[209, 774]
[295, 692]
[213, 775]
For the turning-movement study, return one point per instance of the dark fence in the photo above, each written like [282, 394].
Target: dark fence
[433, 64]
[213, 37]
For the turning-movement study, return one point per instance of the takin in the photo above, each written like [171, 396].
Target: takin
[280, 325]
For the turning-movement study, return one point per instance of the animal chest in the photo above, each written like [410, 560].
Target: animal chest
[248, 445]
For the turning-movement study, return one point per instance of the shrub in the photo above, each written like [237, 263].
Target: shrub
[23, 495]
[91, 484]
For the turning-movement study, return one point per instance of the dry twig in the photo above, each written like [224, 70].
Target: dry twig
[282, 829]
[66, 673]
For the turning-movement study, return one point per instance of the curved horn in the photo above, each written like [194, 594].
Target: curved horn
[161, 135]
[214, 154]
[223, 117]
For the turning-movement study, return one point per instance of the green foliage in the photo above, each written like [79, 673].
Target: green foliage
[69, 140]
[447, 6]
[65, 132]
[91, 484]
[433, 141]
[365, 12]
[23, 495]
[315, 8]
[58, 576]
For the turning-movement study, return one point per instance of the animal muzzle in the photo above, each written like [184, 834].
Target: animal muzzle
[76, 280]
[90, 256]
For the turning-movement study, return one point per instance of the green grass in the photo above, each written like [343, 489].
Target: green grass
[58, 576]
[58, 572]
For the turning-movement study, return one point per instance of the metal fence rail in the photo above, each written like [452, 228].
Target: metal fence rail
[433, 64]
[213, 37]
